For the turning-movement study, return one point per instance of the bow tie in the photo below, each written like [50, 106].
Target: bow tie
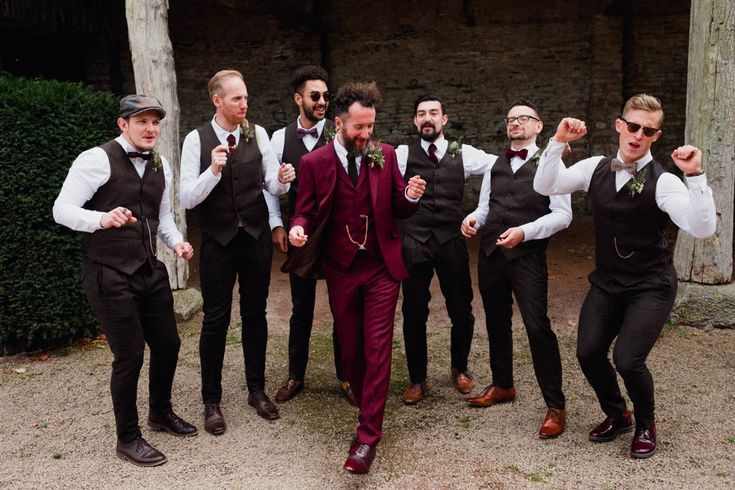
[301, 132]
[144, 156]
[510, 153]
[616, 165]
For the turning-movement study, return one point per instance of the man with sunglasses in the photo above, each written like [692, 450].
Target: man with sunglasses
[633, 286]
[432, 241]
[310, 131]
[512, 262]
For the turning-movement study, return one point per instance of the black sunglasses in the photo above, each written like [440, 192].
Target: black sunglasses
[315, 96]
[634, 127]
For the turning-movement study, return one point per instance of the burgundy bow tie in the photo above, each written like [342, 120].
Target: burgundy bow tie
[301, 132]
[510, 153]
[144, 156]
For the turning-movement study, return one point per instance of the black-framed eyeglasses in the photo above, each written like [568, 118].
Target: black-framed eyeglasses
[634, 127]
[315, 96]
[523, 119]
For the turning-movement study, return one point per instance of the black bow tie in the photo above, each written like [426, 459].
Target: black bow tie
[301, 132]
[144, 156]
[510, 153]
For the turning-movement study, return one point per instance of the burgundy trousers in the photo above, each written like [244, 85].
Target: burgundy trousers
[363, 300]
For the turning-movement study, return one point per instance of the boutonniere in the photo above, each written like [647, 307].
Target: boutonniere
[537, 156]
[635, 185]
[455, 147]
[156, 162]
[329, 134]
[246, 131]
[375, 154]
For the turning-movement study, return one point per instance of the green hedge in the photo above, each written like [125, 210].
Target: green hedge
[44, 125]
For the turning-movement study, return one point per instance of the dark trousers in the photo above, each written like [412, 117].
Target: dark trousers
[303, 297]
[249, 261]
[451, 262]
[134, 310]
[363, 299]
[635, 315]
[526, 278]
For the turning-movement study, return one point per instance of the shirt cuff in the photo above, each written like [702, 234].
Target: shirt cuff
[275, 222]
[405, 193]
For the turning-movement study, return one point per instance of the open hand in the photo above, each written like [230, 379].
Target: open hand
[511, 237]
[280, 240]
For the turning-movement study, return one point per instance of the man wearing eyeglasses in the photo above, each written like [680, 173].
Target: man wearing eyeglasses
[310, 131]
[512, 262]
[432, 241]
[226, 164]
[633, 286]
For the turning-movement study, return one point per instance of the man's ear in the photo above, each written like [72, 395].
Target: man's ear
[122, 124]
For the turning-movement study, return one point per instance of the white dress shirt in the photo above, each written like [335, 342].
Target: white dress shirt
[692, 210]
[543, 227]
[89, 172]
[475, 161]
[277, 143]
[196, 186]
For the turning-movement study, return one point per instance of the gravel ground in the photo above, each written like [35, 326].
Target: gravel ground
[57, 424]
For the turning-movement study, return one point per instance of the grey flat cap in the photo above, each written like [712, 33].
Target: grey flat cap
[135, 104]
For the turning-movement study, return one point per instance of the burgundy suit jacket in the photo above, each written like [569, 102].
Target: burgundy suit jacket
[317, 180]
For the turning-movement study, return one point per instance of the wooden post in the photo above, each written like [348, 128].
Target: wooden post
[155, 74]
[709, 126]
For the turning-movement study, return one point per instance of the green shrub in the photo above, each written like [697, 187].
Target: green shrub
[44, 125]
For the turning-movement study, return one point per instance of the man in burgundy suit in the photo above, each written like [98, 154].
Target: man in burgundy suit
[350, 191]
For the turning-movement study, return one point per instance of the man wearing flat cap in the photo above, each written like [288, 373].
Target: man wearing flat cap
[117, 194]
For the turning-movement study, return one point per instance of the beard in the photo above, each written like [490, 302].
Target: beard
[309, 112]
[351, 146]
[431, 136]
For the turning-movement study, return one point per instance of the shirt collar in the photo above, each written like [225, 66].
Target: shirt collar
[342, 152]
[223, 133]
[440, 143]
[319, 126]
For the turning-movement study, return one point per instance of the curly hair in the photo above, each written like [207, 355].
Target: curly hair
[366, 94]
[306, 73]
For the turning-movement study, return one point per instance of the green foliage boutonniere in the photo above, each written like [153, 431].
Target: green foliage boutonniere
[329, 134]
[375, 154]
[635, 185]
[156, 162]
[455, 147]
[246, 131]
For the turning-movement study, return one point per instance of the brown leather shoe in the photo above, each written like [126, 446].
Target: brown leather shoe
[170, 422]
[414, 393]
[612, 427]
[214, 421]
[347, 392]
[492, 395]
[643, 444]
[462, 381]
[139, 452]
[360, 459]
[290, 389]
[554, 423]
[263, 405]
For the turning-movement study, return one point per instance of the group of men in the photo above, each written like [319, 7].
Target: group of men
[345, 193]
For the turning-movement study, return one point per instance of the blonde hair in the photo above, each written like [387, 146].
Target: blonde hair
[214, 86]
[644, 102]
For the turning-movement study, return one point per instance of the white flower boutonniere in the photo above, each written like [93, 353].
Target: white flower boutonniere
[156, 162]
[635, 185]
[375, 154]
[329, 134]
[246, 131]
[455, 147]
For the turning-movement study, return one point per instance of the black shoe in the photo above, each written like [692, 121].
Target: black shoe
[171, 423]
[263, 405]
[140, 453]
